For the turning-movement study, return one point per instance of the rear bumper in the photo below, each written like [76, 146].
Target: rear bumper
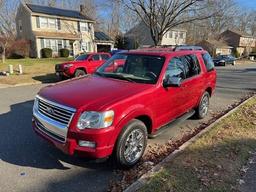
[71, 146]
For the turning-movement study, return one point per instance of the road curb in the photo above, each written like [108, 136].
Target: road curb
[135, 186]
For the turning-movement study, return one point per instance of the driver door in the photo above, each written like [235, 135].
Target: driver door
[172, 99]
[95, 62]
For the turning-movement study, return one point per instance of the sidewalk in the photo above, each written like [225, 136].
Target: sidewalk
[249, 184]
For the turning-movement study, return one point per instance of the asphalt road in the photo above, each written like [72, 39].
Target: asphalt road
[27, 163]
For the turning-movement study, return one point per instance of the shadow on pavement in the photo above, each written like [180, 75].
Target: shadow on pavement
[19, 145]
[48, 78]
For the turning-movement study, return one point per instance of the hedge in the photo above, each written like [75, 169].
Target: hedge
[46, 53]
[64, 52]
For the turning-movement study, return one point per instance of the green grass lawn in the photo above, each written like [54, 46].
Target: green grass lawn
[214, 162]
[34, 70]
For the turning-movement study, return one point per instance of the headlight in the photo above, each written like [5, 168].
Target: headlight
[68, 65]
[35, 106]
[95, 120]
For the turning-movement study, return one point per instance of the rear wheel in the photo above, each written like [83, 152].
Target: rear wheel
[131, 144]
[203, 107]
[79, 73]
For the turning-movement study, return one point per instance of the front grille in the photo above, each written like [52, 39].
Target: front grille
[41, 127]
[58, 67]
[55, 112]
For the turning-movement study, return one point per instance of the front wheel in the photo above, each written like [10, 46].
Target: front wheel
[79, 73]
[131, 144]
[203, 107]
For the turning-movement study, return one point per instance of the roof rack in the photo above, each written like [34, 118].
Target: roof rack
[187, 47]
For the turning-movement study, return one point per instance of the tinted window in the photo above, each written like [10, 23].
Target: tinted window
[81, 57]
[175, 69]
[96, 57]
[208, 61]
[184, 67]
[104, 57]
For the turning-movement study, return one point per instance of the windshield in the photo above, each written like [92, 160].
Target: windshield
[81, 57]
[133, 67]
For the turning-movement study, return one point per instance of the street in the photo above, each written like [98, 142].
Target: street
[28, 163]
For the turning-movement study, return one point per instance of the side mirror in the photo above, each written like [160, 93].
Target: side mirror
[172, 82]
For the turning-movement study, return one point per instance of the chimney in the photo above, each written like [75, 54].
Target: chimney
[82, 9]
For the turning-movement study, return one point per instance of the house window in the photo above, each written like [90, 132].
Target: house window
[170, 34]
[53, 44]
[43, 22]
[20, 25]
[66, 44]
[47, 43]
[181, 35]
[83, 26]
[52, 23]
[48, 23]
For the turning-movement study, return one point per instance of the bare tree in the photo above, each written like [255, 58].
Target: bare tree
[7, 26]
[162, 15]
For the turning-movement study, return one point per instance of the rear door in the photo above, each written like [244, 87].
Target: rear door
[193, 82]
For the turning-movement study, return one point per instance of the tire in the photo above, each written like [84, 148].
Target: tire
[203, 107]
[234, 62]
[79, 73]
[224, 64]
[62, 78]
[124, 157]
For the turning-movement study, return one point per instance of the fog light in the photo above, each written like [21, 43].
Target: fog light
[90, 144]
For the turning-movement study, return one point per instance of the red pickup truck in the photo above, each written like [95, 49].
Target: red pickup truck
[133, 96]
[83, 64]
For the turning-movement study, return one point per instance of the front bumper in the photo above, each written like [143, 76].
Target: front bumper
[70, 146]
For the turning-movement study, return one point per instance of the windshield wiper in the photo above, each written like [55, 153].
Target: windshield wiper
[118, 76]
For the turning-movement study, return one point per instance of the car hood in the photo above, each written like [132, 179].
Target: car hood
[92, 92]
[73, 62]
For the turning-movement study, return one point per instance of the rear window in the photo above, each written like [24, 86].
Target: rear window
[208, 61]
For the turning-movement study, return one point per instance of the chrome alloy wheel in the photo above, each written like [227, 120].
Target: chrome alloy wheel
[134, 146]
[204, 106]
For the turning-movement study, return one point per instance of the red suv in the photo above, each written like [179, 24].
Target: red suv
[83, 64]
[131, 97]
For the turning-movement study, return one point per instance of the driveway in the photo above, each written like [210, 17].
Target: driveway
[27, 163]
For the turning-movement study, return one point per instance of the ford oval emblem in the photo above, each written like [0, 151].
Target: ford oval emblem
[50, 110]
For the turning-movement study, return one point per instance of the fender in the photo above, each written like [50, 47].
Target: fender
[127, 115]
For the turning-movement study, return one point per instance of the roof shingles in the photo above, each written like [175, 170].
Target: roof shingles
[57, 12]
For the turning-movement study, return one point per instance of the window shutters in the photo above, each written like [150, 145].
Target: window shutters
[58, 24]
[78, 26]
[37, 22]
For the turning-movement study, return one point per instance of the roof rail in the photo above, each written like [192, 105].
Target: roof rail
[187, 47]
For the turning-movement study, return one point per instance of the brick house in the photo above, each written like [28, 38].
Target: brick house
[215, 47]
[243, 42]
[49, 27]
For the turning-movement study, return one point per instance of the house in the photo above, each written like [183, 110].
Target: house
[103, 42]
[215, 47]
[49, 27]
[243, 42]
[140, 36]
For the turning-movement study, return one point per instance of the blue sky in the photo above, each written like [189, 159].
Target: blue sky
[251, 4]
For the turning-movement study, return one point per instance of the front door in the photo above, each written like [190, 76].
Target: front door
[171, 100]
[94, 62]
